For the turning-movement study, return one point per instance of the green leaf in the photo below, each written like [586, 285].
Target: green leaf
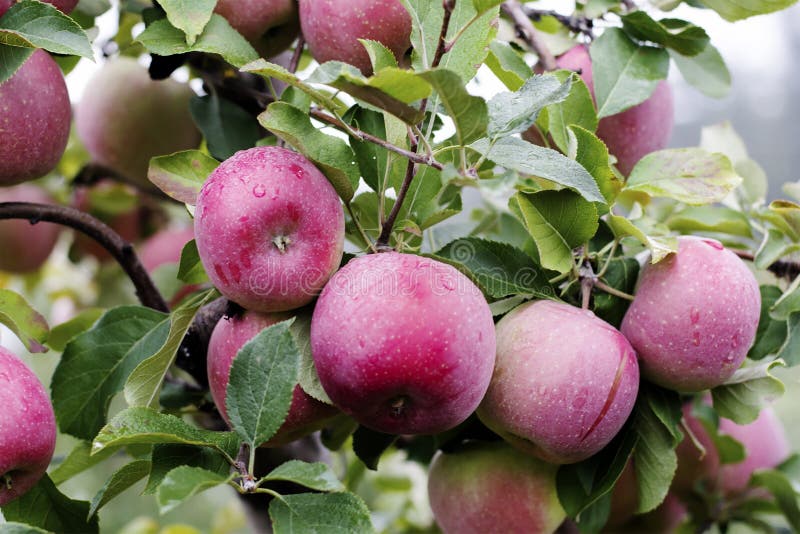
[380, 57]
[689, 175]
[77, 461]
[733, 10]
[710, 219]
[19, 528]
[40, 25]
[499, 269]
[660, 247]
[144, 383]
[181, 175]
[65, 332]
[331, 513]
[790, 350]
[43, 506]
[526, 158]
[191, 270]
[11, 59]
[625, 74]
[190, 16]
[706, 72]
[226, 127]
[96, 364]
[317, 476]
[679, 35]
[511, 113]
[307, 376]
[122, 479]
[378, 166]
[331, 154]
[577, 110]
[485, 5]
[592, 154]
[218, 37]
[782, 489]
[469, 113]
[508, 65]
[145, 426]
[266, 69]
[788, 303]
[165, 458]
[184, 482]
[773, 247]
[558, 221]
[369, 445]
[621, 274]
[742, 396]
[262, 379]
[26, 323]
[771, 333]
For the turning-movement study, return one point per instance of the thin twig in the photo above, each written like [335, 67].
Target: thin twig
[574, 23]
[121, 250]
[91, 173]
[529, 34]
[612, 291]
[388, 225]
[781, 268]
[298, 53]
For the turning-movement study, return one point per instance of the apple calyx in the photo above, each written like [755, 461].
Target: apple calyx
[7, 481]
[282, 242]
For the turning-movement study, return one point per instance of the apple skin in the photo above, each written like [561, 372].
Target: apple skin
[64, 5]
[125, 118]
[491, 487]
[164, 247]
[34, 120]
[694, 316]
[27, 428]
[269, 229]
[332, 29]
[404, 344]
[306, 414]
[633, 133]
[564, 383]
[26, 246]
[269, 25]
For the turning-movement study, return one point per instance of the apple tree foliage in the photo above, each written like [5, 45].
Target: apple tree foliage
[522, 221]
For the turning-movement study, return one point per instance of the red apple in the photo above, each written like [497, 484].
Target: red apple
[306, 414]
[490, 487]
[164, 247]
[694, 316]
[34, 120]
[269, 25]
[27, 428]
[26, 246]
[64, 5]
[564, 382]
[269, 229]
[332, 29]
[402, 343]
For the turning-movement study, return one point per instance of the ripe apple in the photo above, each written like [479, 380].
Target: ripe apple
[26, 246]
[27, 428]
[64, 5]
[564, 382]
[402, 343]
[306, 414]
[269, 229]
[694, 316]
[332, 29]
[490, 487]
[34, 120]
[631, 134]
[125, 118]
[269, 25]
[164, 247]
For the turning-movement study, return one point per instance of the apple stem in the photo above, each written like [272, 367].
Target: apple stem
[529, 33]
[398, 406]
[612, 290]
[282, 242]
[7, 481]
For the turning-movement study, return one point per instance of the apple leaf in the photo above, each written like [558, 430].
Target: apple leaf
[679, 35]
[26, 323]
[508, 65]
[122, 479]
[706, 71]
[262, 379]
[32, 24]
[184, 482]
[576, 110]
[625, 73]
[77, 461]
[377, 165]
[320, 512]
[592, 154]
[660, 247]
[771, 333]
[511, 113]
[43, 506]
[165, 458]
[710, 219]
[317, 476]
[380, 57]
[19, 528]
[469, 113]
[742, 396]
[733, 10]
[307, 375]
[189, 16]
[621, 274]
[181, 175]
[369, 445]
[226, 127]
[781, 487]
[11, 59]
[191, 270]
[65, 332]
[266, 69]
[772, 248]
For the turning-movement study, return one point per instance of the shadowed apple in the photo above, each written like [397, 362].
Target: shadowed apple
[64, 5]
[25, 246]
[269, 25]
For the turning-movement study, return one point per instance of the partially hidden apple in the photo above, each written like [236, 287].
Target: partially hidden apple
[25, 246]
[27, 428]
[306, 414]
[64, 5]
[694, 316]
[269, 25]
[491, 487]
[35, 116]
[564, 383]
[269, 229]
[165, 248]
[402, 343]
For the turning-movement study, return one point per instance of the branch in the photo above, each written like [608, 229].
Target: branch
[781, 268]
[110, 240]
[298, 53]
[529, 34]
[91, 173]
[574, 23]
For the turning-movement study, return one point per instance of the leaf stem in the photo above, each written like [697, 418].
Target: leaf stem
[529, 33]
[612, 291]
[361, 231]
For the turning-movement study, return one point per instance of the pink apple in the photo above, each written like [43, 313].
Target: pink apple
[269, 25]
[34, 120]
[306, 414]
[64, 5]
[332, 29]
[26, 246]
[269, 229]
[490, 487]
[27, 428]
[564, 382]
[694, 316]
[402, 343]
[164, 247]
[125, 118]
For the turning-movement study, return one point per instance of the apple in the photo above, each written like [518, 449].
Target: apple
[564, 382]
[332, 29]
[27, 428]
[164, 247]
[306, 414]
[64, 5]
[490, 487]
[34, 120]
[269, 229]
[26, 246]
[694, 316]
[402, 343]
[125, 118]
[269, 25]
[631, 134]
